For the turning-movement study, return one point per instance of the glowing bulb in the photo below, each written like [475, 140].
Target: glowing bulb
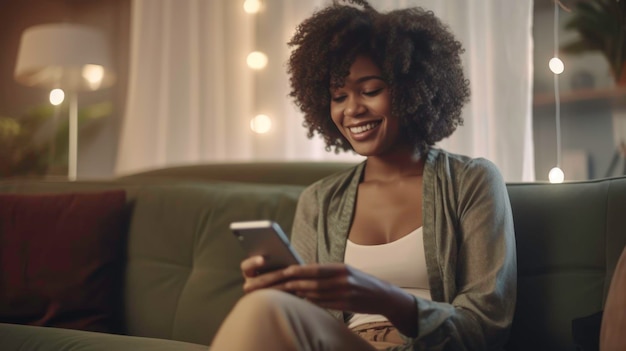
[257, 60]
[261, 124]
[556, 65]
[252, 6]
[93, 74]
[57, 96]
[556, 175]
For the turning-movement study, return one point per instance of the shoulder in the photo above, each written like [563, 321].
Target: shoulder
[461, 168]
[334, 184]
[325, 197]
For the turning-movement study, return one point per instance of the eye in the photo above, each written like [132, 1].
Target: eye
[373, 92]
[340, 98]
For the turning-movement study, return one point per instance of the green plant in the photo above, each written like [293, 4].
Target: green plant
[36, 143]
[601, 25]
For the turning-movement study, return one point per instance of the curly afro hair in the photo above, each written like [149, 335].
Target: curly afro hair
[417, 54]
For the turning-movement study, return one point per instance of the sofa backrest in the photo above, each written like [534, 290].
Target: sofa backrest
[291, 173]
[569, 238]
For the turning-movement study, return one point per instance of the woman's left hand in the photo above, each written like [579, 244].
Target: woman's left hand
[338, 286]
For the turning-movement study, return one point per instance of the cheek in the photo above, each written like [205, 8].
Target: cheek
[381, 105]
[385, 105]
[336, 115]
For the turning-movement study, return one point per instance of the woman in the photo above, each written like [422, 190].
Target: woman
[412, 249]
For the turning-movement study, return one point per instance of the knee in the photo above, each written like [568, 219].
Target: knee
[264, 300]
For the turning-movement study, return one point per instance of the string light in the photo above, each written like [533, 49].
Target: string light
[261, 124]
[252, 6]
[256, 60]
[556, 175]
[57, 96]
[556, 65]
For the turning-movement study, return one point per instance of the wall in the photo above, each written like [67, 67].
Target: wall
[98, 145]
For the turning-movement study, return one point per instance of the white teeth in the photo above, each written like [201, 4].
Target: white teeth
[363, 128]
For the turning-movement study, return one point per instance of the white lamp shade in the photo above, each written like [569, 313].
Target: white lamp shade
[69, 56]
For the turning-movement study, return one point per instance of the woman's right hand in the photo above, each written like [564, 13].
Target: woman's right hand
[250, 267]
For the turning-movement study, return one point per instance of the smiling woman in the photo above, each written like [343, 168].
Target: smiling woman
[413, 248]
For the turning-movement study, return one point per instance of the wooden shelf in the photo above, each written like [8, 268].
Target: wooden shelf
[615, 96]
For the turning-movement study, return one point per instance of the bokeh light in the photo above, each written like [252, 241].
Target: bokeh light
[261, 124]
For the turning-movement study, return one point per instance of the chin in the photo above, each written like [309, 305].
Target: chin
[366, 152]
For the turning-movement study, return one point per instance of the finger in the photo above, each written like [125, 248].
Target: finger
[336, 302]
[317, 270]
[264, 280]
[327, 296]
[338, 283]
[252, 265]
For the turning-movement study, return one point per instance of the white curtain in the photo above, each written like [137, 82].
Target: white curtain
[191, 94]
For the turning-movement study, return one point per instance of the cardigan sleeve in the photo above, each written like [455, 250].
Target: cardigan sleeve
[304, 229]
[312, 222]
[478, 266]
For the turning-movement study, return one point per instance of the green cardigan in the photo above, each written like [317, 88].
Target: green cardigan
[468, 240]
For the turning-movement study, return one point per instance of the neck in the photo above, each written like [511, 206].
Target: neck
[395, 166]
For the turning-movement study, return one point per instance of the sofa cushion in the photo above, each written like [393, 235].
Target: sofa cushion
[27, 338]
[61, 258]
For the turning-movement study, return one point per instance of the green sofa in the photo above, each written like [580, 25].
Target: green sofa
[182, 267]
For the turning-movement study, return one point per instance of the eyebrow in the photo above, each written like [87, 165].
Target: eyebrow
[362, 79]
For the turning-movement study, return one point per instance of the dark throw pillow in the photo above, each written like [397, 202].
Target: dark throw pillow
[62, 258]
[586, 332]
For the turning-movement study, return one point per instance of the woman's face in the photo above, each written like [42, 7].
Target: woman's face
[361, 110]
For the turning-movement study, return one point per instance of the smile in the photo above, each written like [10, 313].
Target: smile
[364, 128]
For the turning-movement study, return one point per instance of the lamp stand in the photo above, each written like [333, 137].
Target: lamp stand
[73, 138]
[67, 56]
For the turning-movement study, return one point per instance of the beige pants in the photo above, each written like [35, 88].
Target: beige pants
[274, 320]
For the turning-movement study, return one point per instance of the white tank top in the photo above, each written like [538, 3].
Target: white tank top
[400, 262]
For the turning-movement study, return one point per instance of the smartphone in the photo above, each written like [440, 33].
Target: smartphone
[266, 238]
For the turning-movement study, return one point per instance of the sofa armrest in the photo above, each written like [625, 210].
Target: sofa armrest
[612, 331]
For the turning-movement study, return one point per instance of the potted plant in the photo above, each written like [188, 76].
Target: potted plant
[601, 25]
[32, 146]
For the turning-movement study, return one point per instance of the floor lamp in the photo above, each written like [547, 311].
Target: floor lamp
[65, 56]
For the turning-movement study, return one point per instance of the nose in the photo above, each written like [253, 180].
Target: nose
[354, 107]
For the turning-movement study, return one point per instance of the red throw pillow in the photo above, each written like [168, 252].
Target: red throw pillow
[62, 259]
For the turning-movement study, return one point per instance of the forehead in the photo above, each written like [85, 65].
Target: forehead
[361, 67]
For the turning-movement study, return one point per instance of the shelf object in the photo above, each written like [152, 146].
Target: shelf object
[616, 96]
